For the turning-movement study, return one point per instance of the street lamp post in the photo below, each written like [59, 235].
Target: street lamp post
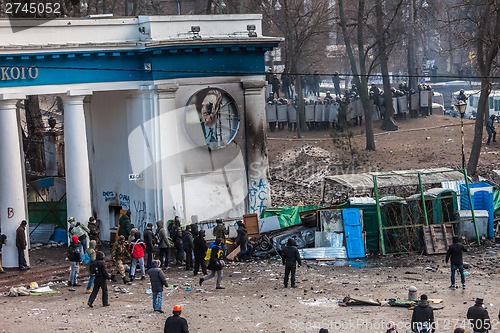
[461, 106]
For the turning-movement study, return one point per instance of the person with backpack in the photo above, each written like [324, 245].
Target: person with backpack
[290, 257]
[422, 319]
[158, 280]
[74, 258]
[136, 250]
[98, 269]
[163, 244]
[81, 231]
[200, 249]
[215, 263]
[92, 255]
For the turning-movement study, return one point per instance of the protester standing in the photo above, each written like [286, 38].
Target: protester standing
[3, 241]
[136, 249]
[187, 243]
[290, 258]
[163, 244]
[101, 277]
[21, 245]
[455, 252]
[175, 323]
[149, 241]
[125, 225]
[74, 258]
[478, 317]
[92, 252]
[242, 241]
[94, 231]
[200, 249]
[422, 319]
[79, 230]
[158, 280]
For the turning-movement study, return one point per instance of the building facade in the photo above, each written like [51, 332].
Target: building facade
[162, 115]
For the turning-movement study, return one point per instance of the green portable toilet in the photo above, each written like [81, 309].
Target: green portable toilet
[416, 210]
[444, 205]
[395, 220]
[368, 207]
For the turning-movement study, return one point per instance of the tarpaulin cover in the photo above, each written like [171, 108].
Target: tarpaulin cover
[288, 216]
[496, 200]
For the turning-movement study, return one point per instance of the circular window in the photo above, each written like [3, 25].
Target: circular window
[212, 118]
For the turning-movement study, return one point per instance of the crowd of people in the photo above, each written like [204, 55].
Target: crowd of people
[130, 247]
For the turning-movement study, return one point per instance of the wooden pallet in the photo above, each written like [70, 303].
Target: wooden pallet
[437, 238]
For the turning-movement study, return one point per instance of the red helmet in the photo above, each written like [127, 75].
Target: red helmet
[177, 308]
[75, 239]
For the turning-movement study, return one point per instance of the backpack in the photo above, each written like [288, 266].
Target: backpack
[73, 254]
[94, 267]
[86, 258]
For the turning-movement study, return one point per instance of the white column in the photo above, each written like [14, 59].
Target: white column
[13, 207]
[169, 146]
[257, 163]
[76, 157]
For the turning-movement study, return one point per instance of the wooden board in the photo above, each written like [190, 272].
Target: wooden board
[437, 238]
[233, 254]
[251, 224]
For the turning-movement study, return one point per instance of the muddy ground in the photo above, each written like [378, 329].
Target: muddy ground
[254, 299]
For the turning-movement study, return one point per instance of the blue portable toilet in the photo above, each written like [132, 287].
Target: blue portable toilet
[482, 199]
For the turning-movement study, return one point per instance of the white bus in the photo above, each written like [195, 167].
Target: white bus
[473, 99]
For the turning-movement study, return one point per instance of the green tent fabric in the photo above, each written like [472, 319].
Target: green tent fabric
[287, 216]
[496, 200]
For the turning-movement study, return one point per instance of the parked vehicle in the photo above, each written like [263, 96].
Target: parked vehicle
[473, 100]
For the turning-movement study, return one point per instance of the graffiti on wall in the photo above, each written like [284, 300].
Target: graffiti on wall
[258, 195]
[122, 199]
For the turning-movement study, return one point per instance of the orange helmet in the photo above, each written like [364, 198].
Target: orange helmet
[177, 308]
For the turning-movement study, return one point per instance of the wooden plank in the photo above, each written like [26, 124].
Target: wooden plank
[251, 224]
[433, 239]
[233, 254]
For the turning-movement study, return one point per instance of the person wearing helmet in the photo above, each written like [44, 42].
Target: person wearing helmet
[81, 231]
[101, 278]
[490, 129]
[391, 327]
[175, 323]
[461, 96]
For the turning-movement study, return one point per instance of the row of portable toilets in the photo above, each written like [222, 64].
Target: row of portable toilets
[442, 206]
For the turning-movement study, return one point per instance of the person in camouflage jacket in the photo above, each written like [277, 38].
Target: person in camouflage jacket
[119, 253]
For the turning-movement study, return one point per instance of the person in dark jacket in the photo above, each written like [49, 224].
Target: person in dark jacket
[74, 258]
[422, 319]
[242, 241]
[3, 241]
[490, 129]
[158, 280]
[478, 317]
[187, 243]
[175, 323]
[177, 239]
[148, 240]
[291, 258]
[163, 243]
[94, 231]
[21, 245]
[215, 263]
[200, 249]
[125, 225]
[100, 282]
[455, 252]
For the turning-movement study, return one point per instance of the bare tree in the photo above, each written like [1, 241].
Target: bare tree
[478, 23]
[305, 25]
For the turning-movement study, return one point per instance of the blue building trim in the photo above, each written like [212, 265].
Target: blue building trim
[167, 62]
